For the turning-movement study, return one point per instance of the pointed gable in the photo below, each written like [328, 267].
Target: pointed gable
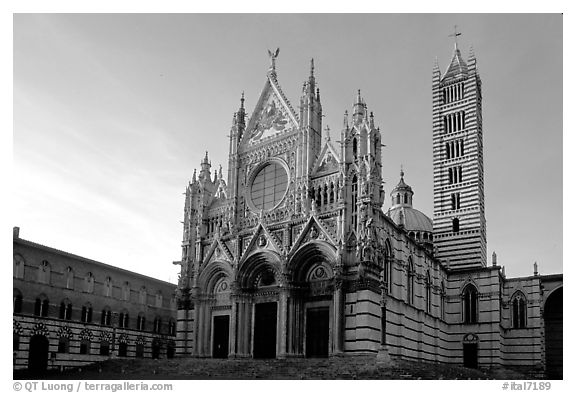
[262, 240]
[328, 161]
[313, 230]
[218, 251]
[457, 67]
[273, 114]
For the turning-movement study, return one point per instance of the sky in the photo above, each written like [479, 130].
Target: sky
[113, 112]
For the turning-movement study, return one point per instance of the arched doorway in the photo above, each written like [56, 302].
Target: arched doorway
[312, 306]
[170, 349]
[553, 334]
[260, 312]
[156, 346]
[38, 354]
[470, 351]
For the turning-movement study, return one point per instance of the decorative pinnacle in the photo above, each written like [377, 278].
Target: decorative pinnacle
[242, 101]
[455, 35]
[327, 131]
[312, 67]
[359, 98]
[401, 171]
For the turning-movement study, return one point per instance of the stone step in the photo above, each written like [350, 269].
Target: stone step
[331, 368]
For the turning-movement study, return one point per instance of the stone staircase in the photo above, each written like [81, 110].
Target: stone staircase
[333, 368]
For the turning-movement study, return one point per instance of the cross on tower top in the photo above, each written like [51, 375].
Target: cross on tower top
[455, 35]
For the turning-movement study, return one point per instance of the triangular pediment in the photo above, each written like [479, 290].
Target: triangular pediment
[328, 161]
[261, 241]
[218, 251]
[313, 230]
[272, 116]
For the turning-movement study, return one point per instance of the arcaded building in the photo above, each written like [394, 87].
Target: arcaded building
[290, 254]
[70, 311]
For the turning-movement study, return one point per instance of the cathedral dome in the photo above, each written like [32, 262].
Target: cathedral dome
[417, 224]
[411, 219]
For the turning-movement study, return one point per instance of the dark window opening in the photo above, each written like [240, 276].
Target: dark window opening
[470, 304]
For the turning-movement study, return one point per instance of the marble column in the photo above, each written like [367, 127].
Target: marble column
[338, 303]
[232, 344]
[282, 322]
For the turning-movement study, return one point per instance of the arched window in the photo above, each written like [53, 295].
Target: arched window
[470, 304]
[65, 310]
[518, 310]
[159, 299]
[41, 306]
[19, 264]
[16, 301]
[157, 325]
[108, 286]
[106, 317]
[455, 199]
[428, 293]
[89, 283]
[44, 272]
[141, 322]
[87, 313]
[142, 295]
[388, 266]
[172, 327]
[455, 225]
[410, 282]
[354, 202]
[331, 192]
[123, 320]
[442, 301]
[355, 148]
[69, 278]
[126, 291]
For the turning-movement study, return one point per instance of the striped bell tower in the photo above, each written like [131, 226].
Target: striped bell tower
[459, 222]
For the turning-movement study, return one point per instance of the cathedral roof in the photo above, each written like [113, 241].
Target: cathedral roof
[410, 218]
[457, 67]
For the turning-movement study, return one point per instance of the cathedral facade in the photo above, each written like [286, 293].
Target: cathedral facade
[291, 254]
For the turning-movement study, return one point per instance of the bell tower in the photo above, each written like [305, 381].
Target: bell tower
[459, 222]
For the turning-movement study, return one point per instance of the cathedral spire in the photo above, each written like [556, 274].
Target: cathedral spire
[359, 108]
[241, 114]
[205, 168]
[312, 68]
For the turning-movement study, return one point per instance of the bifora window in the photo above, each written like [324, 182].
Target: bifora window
[269, 186]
